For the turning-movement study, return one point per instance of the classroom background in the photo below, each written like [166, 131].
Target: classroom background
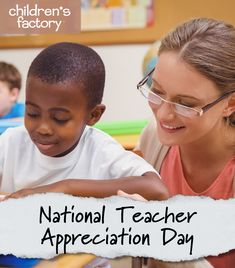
[123, 71]
[121, 50]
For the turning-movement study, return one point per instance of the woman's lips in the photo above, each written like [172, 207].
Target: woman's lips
[170, 128]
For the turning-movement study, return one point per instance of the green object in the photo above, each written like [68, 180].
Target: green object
[122, 127]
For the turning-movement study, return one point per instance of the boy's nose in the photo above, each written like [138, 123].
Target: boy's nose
[44, 129]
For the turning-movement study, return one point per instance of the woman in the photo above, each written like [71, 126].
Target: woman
[192, 96]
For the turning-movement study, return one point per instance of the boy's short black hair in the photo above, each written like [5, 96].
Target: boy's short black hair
[71, 62]
[10, 74]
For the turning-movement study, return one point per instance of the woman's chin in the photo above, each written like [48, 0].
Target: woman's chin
[168, 140]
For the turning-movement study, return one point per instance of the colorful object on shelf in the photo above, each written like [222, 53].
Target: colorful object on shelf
[125, 132]
[116, 14]
[122, 127]
[150, 60]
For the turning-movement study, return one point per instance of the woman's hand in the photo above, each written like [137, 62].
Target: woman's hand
[2, 197]
[132, 196]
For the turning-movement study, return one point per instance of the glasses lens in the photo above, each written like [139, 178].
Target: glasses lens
[154, 98]
[185, 111]
[150, 96]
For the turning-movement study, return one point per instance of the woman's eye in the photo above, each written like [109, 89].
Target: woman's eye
[156, 91]
[190, 105]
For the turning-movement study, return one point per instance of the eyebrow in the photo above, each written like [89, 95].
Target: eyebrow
[30, 103]
[180, 95]
[55, 109]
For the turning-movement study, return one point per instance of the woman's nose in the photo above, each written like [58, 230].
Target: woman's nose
[165, 111]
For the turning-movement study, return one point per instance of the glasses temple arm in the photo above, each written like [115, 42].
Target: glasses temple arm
[208, 106]
[143, 81]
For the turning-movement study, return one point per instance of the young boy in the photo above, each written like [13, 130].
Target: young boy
[10, 84]
[64, 91]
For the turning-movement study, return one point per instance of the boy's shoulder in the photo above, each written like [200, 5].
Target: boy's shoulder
[98, 136]
[15, 135]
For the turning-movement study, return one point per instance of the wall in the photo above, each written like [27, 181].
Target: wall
[123, 62]
[123, 67]
[167, 14]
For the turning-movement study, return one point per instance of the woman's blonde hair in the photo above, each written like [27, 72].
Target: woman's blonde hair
[208, 45]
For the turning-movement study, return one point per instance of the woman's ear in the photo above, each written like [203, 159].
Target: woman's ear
[95, 114]
[230, 108]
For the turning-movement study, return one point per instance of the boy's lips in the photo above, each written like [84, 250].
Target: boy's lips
[44, 147]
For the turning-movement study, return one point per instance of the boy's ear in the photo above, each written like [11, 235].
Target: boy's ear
[95, 114]
[14, 94]
[230, 108]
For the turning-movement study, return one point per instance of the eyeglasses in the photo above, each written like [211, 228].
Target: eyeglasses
[178, 108]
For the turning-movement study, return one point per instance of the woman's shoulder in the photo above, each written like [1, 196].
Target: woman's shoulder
[150, 147]
[148, 138]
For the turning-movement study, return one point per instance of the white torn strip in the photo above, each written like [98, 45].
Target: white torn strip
[181, 228]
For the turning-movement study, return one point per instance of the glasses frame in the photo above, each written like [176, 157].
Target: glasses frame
[201, 110]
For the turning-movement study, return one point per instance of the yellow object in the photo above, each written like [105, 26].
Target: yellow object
[114, 3]
[127, 141]
[67, 261]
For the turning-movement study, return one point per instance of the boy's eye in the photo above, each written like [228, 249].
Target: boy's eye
[32, 114]
[60, 121]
